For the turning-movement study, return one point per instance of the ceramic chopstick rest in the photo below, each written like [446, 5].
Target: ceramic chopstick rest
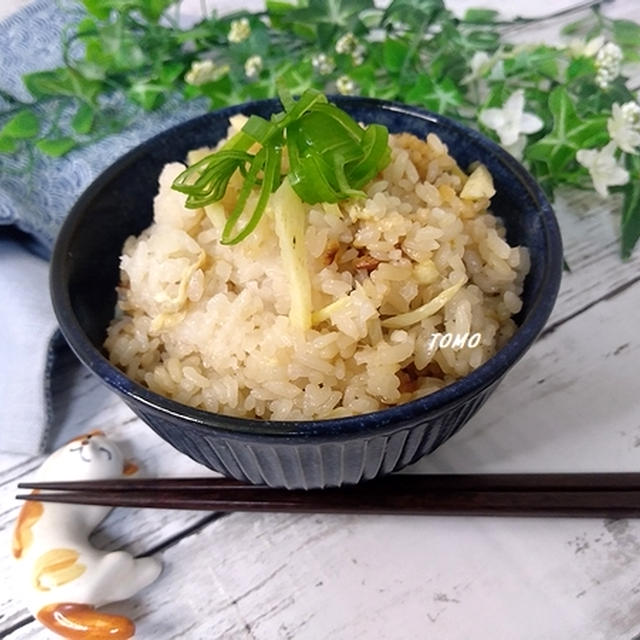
[64, 578]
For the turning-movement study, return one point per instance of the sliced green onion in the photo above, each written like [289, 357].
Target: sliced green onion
[331, 157]
[376, 155]
[259, 129]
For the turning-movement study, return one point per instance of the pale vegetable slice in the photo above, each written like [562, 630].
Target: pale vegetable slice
[325, 312]
[238, 121]
[426, 310]
[290, 222]
[216, 214]
[479, 185]
[332, 208]
[178, 301]
[195, 155]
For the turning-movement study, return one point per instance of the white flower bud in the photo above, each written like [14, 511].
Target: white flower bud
[240, 30]
[608, 62]
[322, 64]
[202, 71]
[631, 113]
[253, 67]
[346, 43]
[357, 55]
[346, 86]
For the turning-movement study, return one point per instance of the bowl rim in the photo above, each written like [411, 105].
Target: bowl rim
[373, 423]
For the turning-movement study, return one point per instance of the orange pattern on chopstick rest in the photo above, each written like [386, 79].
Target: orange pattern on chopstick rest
[22, 534]
[82, 621]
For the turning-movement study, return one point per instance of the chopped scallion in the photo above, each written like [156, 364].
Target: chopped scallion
[331, 157]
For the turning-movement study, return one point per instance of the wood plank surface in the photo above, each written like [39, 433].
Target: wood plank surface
[278, 576]
[571, 404]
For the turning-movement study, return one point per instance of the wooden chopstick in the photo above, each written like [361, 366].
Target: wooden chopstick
[578, 495]
[420, 482]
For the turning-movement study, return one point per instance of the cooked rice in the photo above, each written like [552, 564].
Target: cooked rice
[207, 324]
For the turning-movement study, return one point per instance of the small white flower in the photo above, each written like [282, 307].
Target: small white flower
[240, 30]
[608, 62]
[582, 48]
[346, 43]
[253, 67]
[203, 71]
[603, 167]
[480, 63]
[517, 148]
[346, 86]
[322, 63]
[512, 120]
[631, 113]
[624, 126]
[357, 55]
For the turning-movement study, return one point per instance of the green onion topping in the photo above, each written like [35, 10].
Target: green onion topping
[331, 157]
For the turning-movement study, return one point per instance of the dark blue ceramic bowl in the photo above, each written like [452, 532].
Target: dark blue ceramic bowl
[319, 453]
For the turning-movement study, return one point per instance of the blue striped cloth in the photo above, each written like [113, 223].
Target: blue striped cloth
[36, 202]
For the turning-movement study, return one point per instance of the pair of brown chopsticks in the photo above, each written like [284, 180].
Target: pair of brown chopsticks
[613, 495]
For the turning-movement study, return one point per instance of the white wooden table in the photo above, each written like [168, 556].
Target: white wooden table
[572, 404]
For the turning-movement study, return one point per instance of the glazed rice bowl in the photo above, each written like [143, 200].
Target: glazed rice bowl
[361, 394]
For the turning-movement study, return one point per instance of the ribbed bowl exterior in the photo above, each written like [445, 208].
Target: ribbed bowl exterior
[315, 465]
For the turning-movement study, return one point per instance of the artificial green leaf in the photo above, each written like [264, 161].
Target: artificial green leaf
[498, 95]
[86, 27]
[439, 96]
[56, 147]
[275, 7]
[630, 227]
[483, 40]
[147, 94]
[219, 92]
[580, 68]
[153, 9]
[90, 70]
[99, 8]
[533, 62]
[413, 11]
[23, 125]
[7, 145]
[119, 49]
[576, 27]
[569, 133]
[82, 121]
[304, 30]
[631, 53]
[480, 16]
[170, 72]
[320, 21]
[371, 18]
[626, 32]
[61, 82]
[394, 53]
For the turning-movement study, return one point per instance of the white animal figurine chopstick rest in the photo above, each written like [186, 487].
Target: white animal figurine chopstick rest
[64, 578]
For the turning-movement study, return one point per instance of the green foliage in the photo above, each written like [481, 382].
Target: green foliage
[631, 207]
[415, 51]
[82, 121]
[569, 133]
[23, 125]
[56, 147]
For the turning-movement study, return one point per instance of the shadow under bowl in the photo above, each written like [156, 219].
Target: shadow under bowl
[303, 454]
